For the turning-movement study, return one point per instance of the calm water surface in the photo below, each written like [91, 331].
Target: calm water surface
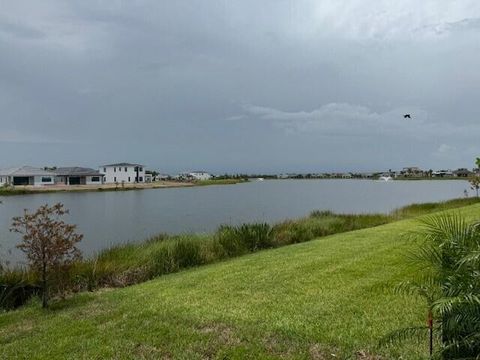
[108, 218]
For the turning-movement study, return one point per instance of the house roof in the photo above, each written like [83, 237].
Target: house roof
[76, 171]
[123, 164]
[462, 171]
[25, 171]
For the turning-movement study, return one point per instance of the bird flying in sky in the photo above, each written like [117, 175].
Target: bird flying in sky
[407, 116]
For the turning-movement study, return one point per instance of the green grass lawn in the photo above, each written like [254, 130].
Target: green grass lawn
[329, 298]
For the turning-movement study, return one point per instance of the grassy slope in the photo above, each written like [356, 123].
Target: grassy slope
[311, 300]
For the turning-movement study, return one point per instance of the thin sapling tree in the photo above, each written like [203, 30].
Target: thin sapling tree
[48, 242]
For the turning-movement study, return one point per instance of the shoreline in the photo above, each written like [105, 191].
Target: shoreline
[30, 189]
[291, 226]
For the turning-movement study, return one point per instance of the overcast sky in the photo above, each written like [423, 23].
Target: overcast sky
[272, 86]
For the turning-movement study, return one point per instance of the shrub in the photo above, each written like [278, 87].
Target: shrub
[448, 259]
[321, 213]
[186, 252]
[90, 275]
[16, 288]
[162, 262]
[291, 232]
[131, 276]
[15, 295]
[255, 236]
[230, 242]
[158, 238]
[247, 237]
[212, 250]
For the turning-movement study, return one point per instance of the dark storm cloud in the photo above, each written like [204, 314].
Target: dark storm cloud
[240, 85]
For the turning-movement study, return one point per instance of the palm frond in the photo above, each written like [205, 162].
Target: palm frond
[408, 333]
[465, 308]
[447, 258]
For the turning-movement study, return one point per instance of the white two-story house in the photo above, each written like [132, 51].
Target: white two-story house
[123, 173]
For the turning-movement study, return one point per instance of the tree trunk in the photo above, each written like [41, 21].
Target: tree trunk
[44, 286]
[430, 332]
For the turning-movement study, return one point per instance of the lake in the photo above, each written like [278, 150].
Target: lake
[108, 218]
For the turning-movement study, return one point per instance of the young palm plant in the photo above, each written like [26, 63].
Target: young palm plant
[448, 259]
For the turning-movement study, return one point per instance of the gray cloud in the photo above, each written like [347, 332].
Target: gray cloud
[19, 30]
[240, 85]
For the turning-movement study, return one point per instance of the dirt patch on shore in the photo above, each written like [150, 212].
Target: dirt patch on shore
[103, 187]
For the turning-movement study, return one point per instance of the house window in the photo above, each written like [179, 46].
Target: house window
[141, 169]
[125, 169]
[129, 179]
[141, 178]
[115, 178]
[46, 179]
[95, 178]
[104, 178]
[104, 170]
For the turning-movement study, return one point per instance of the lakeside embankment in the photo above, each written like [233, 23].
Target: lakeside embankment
[322, 299]
[29, 189]
[132, 263]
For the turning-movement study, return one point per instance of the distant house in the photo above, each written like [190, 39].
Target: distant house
[123, 173]
[195, 175]
[160, 177]
[77, 176]
[200, 175]
[462, 172]
[442, 173]
[148, 177]
[27, 175]
[412, 171]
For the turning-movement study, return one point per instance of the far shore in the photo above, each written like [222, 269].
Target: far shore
[30, 189]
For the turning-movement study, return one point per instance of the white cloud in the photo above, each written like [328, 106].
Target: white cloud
[446, 28]
[343, 119]
[340, 119]
[390, 19]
